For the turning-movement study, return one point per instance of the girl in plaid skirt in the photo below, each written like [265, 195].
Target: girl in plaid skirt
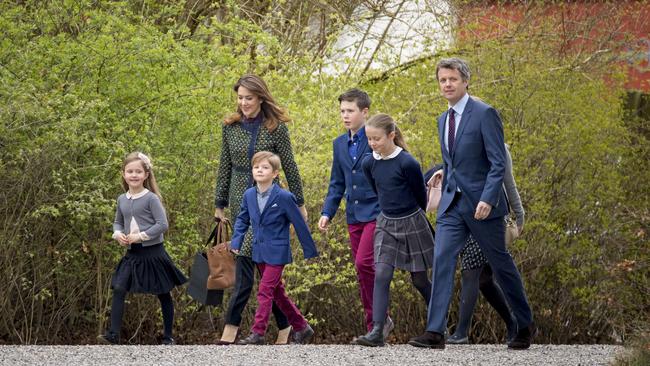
[403, 236]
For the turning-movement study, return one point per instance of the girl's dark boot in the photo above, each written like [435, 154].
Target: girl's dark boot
[374, 338]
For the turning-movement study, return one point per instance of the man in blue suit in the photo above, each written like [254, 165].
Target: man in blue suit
[362, 207]
[473, 201]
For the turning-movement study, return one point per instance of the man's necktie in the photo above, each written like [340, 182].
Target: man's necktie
[451, 135]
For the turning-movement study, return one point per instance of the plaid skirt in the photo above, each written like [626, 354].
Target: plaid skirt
[471, 256]
[404, 242]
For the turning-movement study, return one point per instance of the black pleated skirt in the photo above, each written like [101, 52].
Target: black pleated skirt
[147, 270]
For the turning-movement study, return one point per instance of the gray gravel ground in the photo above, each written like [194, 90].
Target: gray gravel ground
[404, 355]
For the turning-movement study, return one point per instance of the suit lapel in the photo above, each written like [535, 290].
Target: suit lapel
[441, 134]
[343, 151]
[464, 119]
[273, 196]
[252, 198]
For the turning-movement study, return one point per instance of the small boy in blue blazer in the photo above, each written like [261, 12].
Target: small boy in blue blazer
[270, 210]
[362, 207]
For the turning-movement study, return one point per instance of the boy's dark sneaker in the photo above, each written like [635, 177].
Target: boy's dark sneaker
[108, 338]
[168, 341]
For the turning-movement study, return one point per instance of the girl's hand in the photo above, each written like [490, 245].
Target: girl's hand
[520, 229]
[303, 212]
[133, 238]
[235, 251]
[122, 239]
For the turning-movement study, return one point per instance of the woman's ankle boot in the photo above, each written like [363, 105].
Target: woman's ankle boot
[374, 338]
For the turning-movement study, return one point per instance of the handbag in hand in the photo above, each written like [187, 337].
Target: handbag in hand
[434, 191]
[220, 259]
[512, 232]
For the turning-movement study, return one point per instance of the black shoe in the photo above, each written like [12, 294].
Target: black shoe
[428, 340]
[524, 337]
[303, 336]
[252, 339]
[511, 330]
[168, 341]
[108, 338]
[374, 338]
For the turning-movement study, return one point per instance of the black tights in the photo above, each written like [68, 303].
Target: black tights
[381, 294]
[117, 311]
[482, 279]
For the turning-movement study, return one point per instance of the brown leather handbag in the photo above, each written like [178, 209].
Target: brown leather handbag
[220, 260]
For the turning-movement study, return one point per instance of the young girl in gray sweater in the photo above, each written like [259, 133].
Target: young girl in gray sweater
[140, 222]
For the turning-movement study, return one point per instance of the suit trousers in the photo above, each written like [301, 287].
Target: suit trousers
[362, 244]
[244, 280]
[271, 290]
[452, 230]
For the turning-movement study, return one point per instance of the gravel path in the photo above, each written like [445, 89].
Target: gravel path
[404, 355]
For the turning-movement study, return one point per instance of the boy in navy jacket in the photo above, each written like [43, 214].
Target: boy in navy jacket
[270, 210]
[347, 179]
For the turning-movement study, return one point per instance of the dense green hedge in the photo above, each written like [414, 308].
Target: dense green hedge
[81, 86]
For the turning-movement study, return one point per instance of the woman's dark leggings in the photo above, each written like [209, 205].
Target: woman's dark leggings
[473, 280]
[381, 294]
[117, 312]
[244, 280]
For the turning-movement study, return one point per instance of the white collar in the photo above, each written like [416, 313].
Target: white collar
[137, 195]
[459, 107]
[377, 156]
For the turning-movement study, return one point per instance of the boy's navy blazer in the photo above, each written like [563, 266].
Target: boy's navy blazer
[347, 178]
[271, 239]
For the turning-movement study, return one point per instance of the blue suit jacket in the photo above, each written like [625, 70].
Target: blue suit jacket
[347, 178]
[477, 163]
[271, 239]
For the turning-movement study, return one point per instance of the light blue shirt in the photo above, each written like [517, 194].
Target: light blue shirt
[458, 108]
[263, 198]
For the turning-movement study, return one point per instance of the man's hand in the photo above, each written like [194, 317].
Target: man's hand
[303, 212]
[483, 210]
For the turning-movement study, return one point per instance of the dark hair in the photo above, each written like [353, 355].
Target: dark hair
[454, 63]
[273, 114]
[386, 123]
[358, 96]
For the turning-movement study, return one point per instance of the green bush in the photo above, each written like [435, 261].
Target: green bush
[84, 83]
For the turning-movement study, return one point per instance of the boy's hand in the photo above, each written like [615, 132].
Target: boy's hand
[323, 223]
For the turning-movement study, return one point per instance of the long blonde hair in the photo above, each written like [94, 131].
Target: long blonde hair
[150, 182]
[273, 113]
[388, 124]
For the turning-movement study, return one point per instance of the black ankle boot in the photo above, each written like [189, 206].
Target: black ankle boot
[374, 338]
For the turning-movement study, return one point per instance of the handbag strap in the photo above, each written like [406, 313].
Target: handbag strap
[213, 234]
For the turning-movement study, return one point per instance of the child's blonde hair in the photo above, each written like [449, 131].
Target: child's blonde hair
[273, 159]
[150, 182]
[388, 124]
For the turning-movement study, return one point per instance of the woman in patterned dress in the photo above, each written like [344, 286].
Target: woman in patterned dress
[258, 125]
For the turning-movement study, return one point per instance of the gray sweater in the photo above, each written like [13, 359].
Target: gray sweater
[511, 191]
[148, 213]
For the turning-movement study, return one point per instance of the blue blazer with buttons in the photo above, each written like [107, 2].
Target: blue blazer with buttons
[271, 238]
[477, 163]
[347, 178]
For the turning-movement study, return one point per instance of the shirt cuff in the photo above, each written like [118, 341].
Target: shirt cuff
[143, 236]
